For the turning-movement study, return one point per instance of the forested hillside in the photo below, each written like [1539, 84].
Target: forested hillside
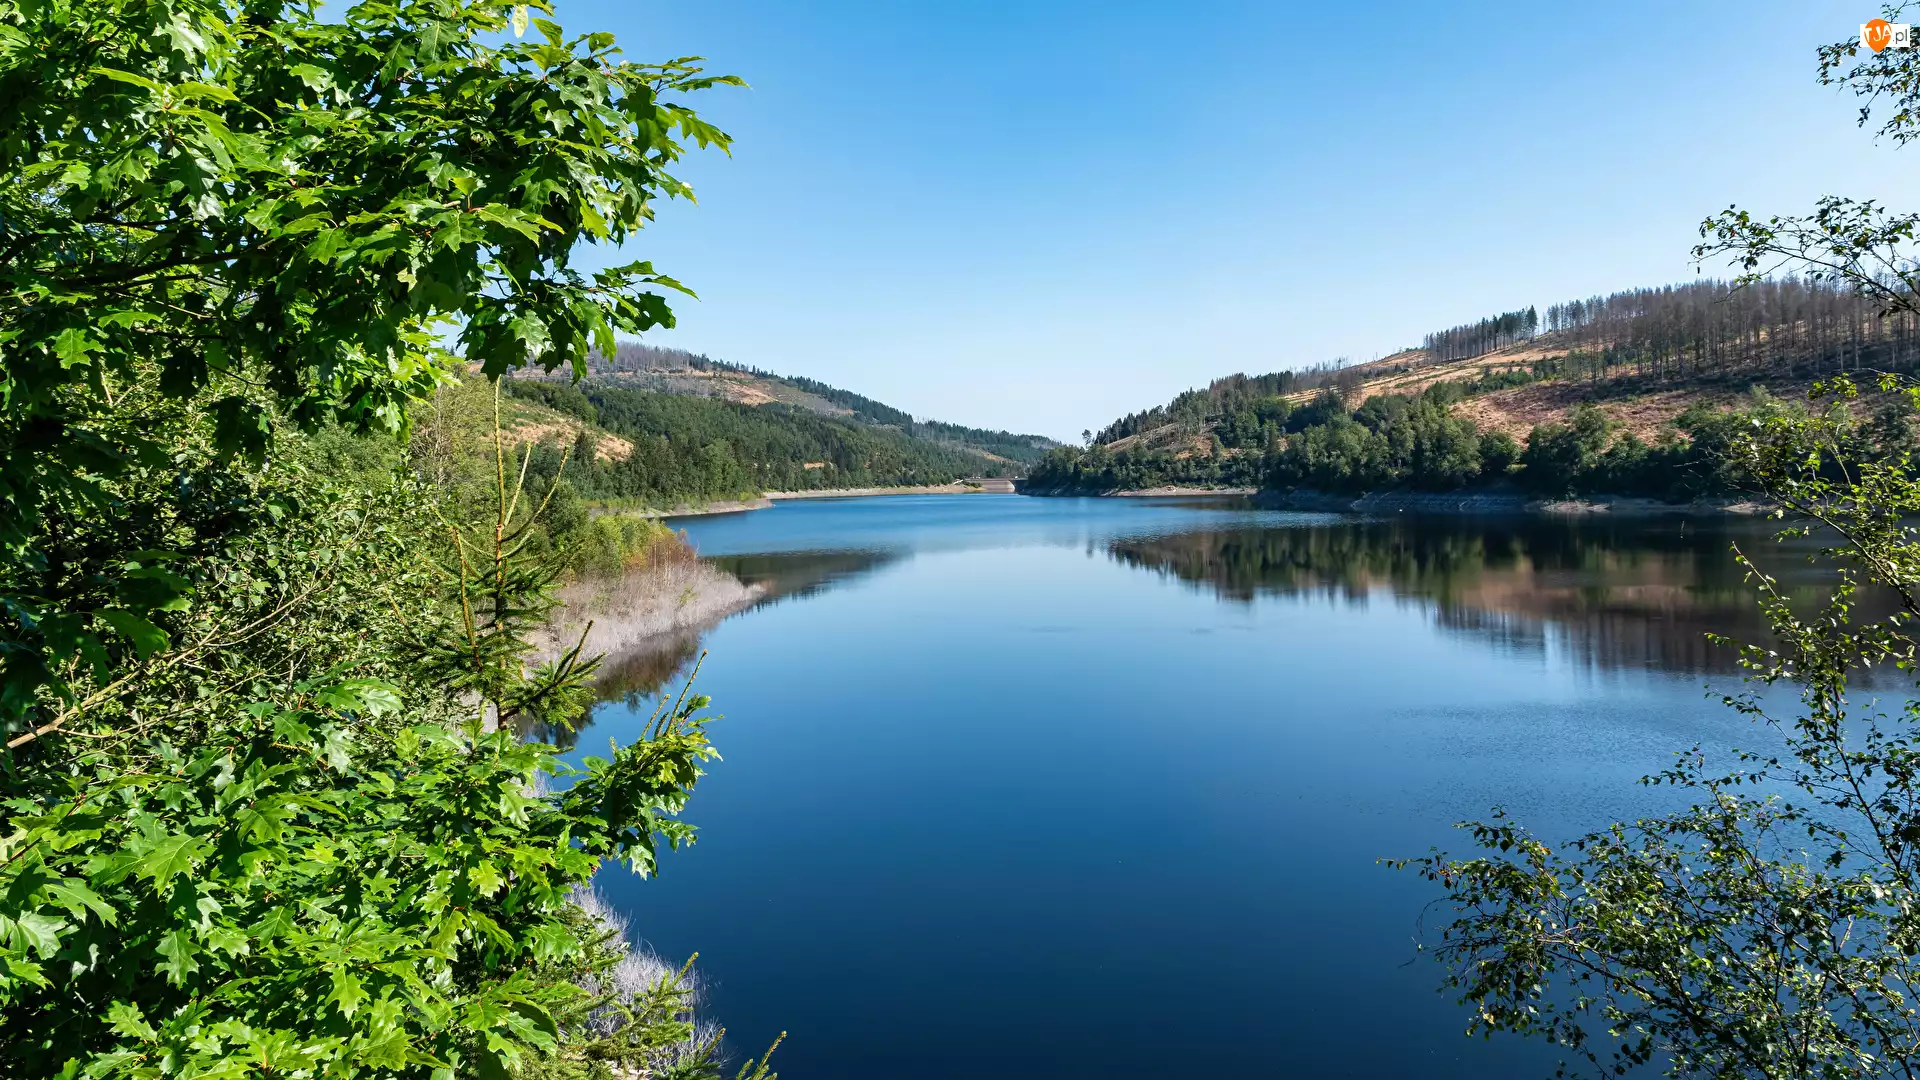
[670, 449]
[1603, 394]
[686, 374]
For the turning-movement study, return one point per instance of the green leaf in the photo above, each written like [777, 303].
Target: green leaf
[32, 932]
[276, 923]
[126, 317]
[310, 223]
[166, 858]
[72, 346]
[372, 697]
[125, 1020]
[230, 941]
[147, 638]
[552, 941]
[19, 970]
[178, 948]
[348, 992]
[129, 78]
[66, 637]
[486, 879]
[326, 244]
[73, 895]
[316, 78]
[527, 225]
[242, 426]
[188, 90]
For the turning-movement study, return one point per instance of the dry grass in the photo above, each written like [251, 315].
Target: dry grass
[637, 974]
[671, 592]
[1645, 409]
[534, 424]
[1385, 376]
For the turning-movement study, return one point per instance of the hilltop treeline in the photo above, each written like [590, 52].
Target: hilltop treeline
[1788, 327]
[1477, 339]
[1223, 397]
[690, 450]
[1023, 449]
[637, 356]
[634, 356]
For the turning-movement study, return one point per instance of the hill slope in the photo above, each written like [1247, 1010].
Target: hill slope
[680, 373]
[662, 428]
[1638, 375]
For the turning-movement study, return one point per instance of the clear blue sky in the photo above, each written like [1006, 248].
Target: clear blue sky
[1039, 216]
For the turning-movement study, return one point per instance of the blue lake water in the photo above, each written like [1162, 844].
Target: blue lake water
[1096, 787]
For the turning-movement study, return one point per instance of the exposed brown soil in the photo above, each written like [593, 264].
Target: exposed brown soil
[1646, 410]
[1409, 372]
[532, 424]
[738, 387]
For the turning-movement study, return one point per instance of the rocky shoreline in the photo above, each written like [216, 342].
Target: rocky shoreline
[646, 605]
[1465, 503]
[987, 487]
[766, 501]
[1491, 503]
[718, 506]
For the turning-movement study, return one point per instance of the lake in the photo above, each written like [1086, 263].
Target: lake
[1022, 787]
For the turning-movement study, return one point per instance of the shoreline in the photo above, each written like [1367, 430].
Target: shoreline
[1165, 491]
[614, 616]
[1459, 503]
[1171, 492]
[718, 506]
[1506, 504]
[989, 487]
[767, 499]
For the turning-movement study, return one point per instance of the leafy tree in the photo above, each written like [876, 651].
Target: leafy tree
[1499, 453]
[1341, 455]
[1559, 456]
[263, 811]
[305, 834]
[254, 206]
[1770, 929]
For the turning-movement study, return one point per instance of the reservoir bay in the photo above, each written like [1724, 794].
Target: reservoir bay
[1024, 787]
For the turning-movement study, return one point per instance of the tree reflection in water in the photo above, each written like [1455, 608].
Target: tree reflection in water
[1612, 595]
[636, 674]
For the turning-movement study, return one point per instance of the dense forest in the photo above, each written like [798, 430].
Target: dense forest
[1413, 442]
[1255, 431]
[1025, 449]
[653, 367]
[1255, 439]
[691, 449]
[1223, 397]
